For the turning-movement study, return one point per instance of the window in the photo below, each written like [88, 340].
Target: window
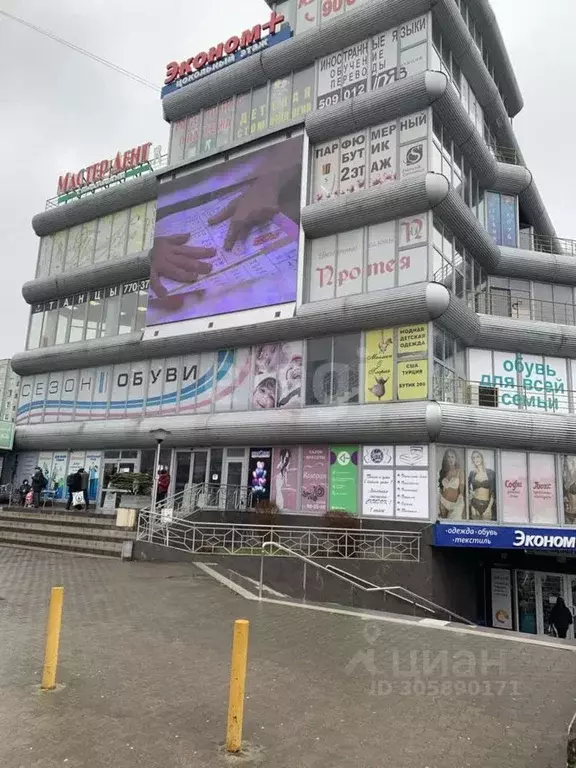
[77, 321]
[111, 316]
[94, 317]
[63, 325]
[49, 327]
[35, 330]
[332, 370]
[128, 308]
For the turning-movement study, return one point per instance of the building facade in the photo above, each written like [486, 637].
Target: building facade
[342, 290]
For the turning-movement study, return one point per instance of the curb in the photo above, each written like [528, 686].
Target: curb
[571, 747]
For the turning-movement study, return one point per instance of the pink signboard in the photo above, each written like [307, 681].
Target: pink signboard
[285, 467]
[314, 478]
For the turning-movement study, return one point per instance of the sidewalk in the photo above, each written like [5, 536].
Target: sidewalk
[145, 661]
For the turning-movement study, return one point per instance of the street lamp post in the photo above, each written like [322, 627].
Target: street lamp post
[159, 435]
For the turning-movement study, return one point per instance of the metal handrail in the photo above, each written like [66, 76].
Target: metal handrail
[504, 154]
[203, 496]
[362, 584]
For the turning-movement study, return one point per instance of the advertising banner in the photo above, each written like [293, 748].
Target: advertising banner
[501, 580]
[25, 466]
[93, 467]
[451, 484]
[6, 435]
[226, 237]
[59, 474]
[493, 216]
[45, 464]
[286, 468]
[482, 492]
[504, 537]
[277, 376]
[413, 338]
[314, 478]
[344, 478]
[543, 502]
[413, 380]
[377, 456]
[77, 461]
[259, 471]
[514, 487]
[509, 215]
[378, 492]
[379, 366]
[412, 493]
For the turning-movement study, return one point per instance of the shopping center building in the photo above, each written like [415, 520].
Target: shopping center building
[341, 289]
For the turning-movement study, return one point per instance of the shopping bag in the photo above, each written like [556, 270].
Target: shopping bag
[77, 499]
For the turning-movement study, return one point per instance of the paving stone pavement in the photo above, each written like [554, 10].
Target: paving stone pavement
[145, 663]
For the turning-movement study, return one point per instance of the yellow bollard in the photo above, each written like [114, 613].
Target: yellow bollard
[237, 686]
[52, 639]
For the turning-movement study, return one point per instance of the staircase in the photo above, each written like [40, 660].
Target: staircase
[63, 532]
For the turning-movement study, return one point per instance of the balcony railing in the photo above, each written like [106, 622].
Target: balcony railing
[536, 394]
[547, 244]
[504, 154]
[521, 305]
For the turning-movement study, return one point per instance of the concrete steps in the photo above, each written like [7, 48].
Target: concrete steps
[82, 533]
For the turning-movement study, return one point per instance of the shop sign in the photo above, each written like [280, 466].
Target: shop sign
[6, 435]
[504, 537]
[132, 162]
[237, 47]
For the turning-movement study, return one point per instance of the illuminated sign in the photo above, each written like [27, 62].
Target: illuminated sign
[237, 47]
[132, 162]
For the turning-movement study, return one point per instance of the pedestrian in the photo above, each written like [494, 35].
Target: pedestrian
[39, 482]
[163, 485]
[560, 617]
[74, 485]
[85, 480]
[23, 491]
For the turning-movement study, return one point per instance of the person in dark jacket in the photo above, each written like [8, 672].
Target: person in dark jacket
[74, 485]
[85, 480]
[39, 482]
[560, 617]
[23, 491]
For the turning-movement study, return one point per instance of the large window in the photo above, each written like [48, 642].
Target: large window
[104, 312]
[527, 300]
[454, 267]
[108, 238]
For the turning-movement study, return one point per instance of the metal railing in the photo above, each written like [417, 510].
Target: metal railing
[203, 496]
[398, 592]
[247, 539]
[504, 154]
[538, 396]
[547, 244]
[521, 305]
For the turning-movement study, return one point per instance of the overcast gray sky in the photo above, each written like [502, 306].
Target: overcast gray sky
[60, 111]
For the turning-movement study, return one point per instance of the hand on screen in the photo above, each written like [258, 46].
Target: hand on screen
[256, 206]
[176, 261]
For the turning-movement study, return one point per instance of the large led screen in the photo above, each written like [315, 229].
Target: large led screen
[226, 237]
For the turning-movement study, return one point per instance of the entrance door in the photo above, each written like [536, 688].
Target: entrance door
[549, 586]
[182, 465]
[233, 492]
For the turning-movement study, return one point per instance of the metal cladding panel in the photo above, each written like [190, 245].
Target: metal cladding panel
[134, 267]
[535, 265]
[399, 422]
[375, 205]
[512, 179]
[449, 18]
[460, 219]
[95, 205]
[460, 320]
[415, 303]
[491, 427]
[485, 20]
[527, 336]
[401, 98]
[296, 53]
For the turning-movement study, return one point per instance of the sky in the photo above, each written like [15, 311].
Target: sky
[60, 111]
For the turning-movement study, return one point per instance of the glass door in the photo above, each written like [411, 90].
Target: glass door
[182, 466]
[235, 476]
[549, 586]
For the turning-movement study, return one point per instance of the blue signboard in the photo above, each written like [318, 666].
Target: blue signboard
[503, 537]
[493, 216]
[509, 221]
[285, 33]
